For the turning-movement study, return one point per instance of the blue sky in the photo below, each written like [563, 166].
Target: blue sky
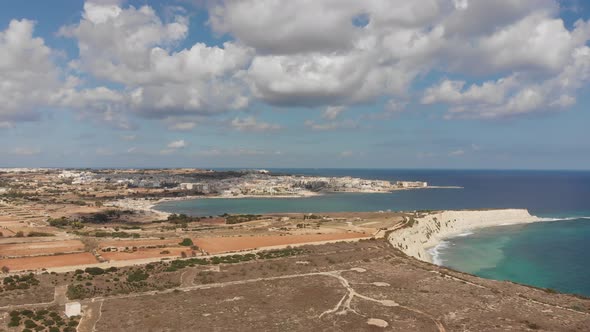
[227, 83]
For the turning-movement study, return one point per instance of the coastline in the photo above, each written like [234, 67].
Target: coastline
[424, 235]
[149, 206]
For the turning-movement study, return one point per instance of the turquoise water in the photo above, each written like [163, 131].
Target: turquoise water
[549, 255]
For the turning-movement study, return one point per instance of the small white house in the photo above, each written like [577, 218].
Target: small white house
[73, 309]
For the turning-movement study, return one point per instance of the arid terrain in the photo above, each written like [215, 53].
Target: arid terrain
[136, 270]
[365, 285]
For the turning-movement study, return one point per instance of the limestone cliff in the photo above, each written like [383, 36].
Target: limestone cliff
[426, 230]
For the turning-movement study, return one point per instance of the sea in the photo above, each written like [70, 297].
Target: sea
[552, 254]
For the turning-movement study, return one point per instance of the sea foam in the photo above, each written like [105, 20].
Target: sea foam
[563, 219]
[436, 251]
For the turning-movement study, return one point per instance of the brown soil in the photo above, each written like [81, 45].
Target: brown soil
[145, 253]
[40, 248]
[215, 245]
[31, 263]
[138, 243]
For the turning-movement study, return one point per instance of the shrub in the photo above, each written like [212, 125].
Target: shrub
[14, 321]
[27, 313]
[186, 242]
[95, 271]
[75, 292]
[30, 324]
[137, 275]
[39, 234]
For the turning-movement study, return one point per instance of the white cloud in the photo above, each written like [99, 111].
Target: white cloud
[461, 4]
[515, 94]
[332, 112]
[342, 64]
[134, 47]
[491, 92]
[180, 144]
[251, 124]
[28, 77]
[299, 53]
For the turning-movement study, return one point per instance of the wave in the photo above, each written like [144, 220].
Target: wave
[563, 219]
[465, 234]
[435, 252]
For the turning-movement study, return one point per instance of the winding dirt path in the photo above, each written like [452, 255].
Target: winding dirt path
[92, 311]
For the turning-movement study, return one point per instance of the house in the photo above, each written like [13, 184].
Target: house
[73, 309]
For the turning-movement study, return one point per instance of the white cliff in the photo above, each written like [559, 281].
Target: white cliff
[427, 230]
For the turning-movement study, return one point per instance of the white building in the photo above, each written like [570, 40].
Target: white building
[412, 184]
[73, 309]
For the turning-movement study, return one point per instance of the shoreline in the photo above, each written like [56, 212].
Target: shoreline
[427, 233]
[149, 206]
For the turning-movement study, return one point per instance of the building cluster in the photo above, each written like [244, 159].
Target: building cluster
[78, 177]
[412, 184]
[24, 170]
[95, 182]
[264, 184]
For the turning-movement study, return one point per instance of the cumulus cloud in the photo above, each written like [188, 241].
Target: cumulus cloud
[515, 94]
[134, 47]
[28, 77]
[315, 62]
[500, 58]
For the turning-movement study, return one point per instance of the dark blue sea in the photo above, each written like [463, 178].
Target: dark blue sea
[550, 254]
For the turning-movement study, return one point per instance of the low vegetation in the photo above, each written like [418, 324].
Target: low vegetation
[42, 320]
[65, 222]
[233, 259]
[186, 242]
[120, 234]
[105, 216]
[25, 281]
[239, 218]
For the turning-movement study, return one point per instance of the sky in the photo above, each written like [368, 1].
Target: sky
[468, 84]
